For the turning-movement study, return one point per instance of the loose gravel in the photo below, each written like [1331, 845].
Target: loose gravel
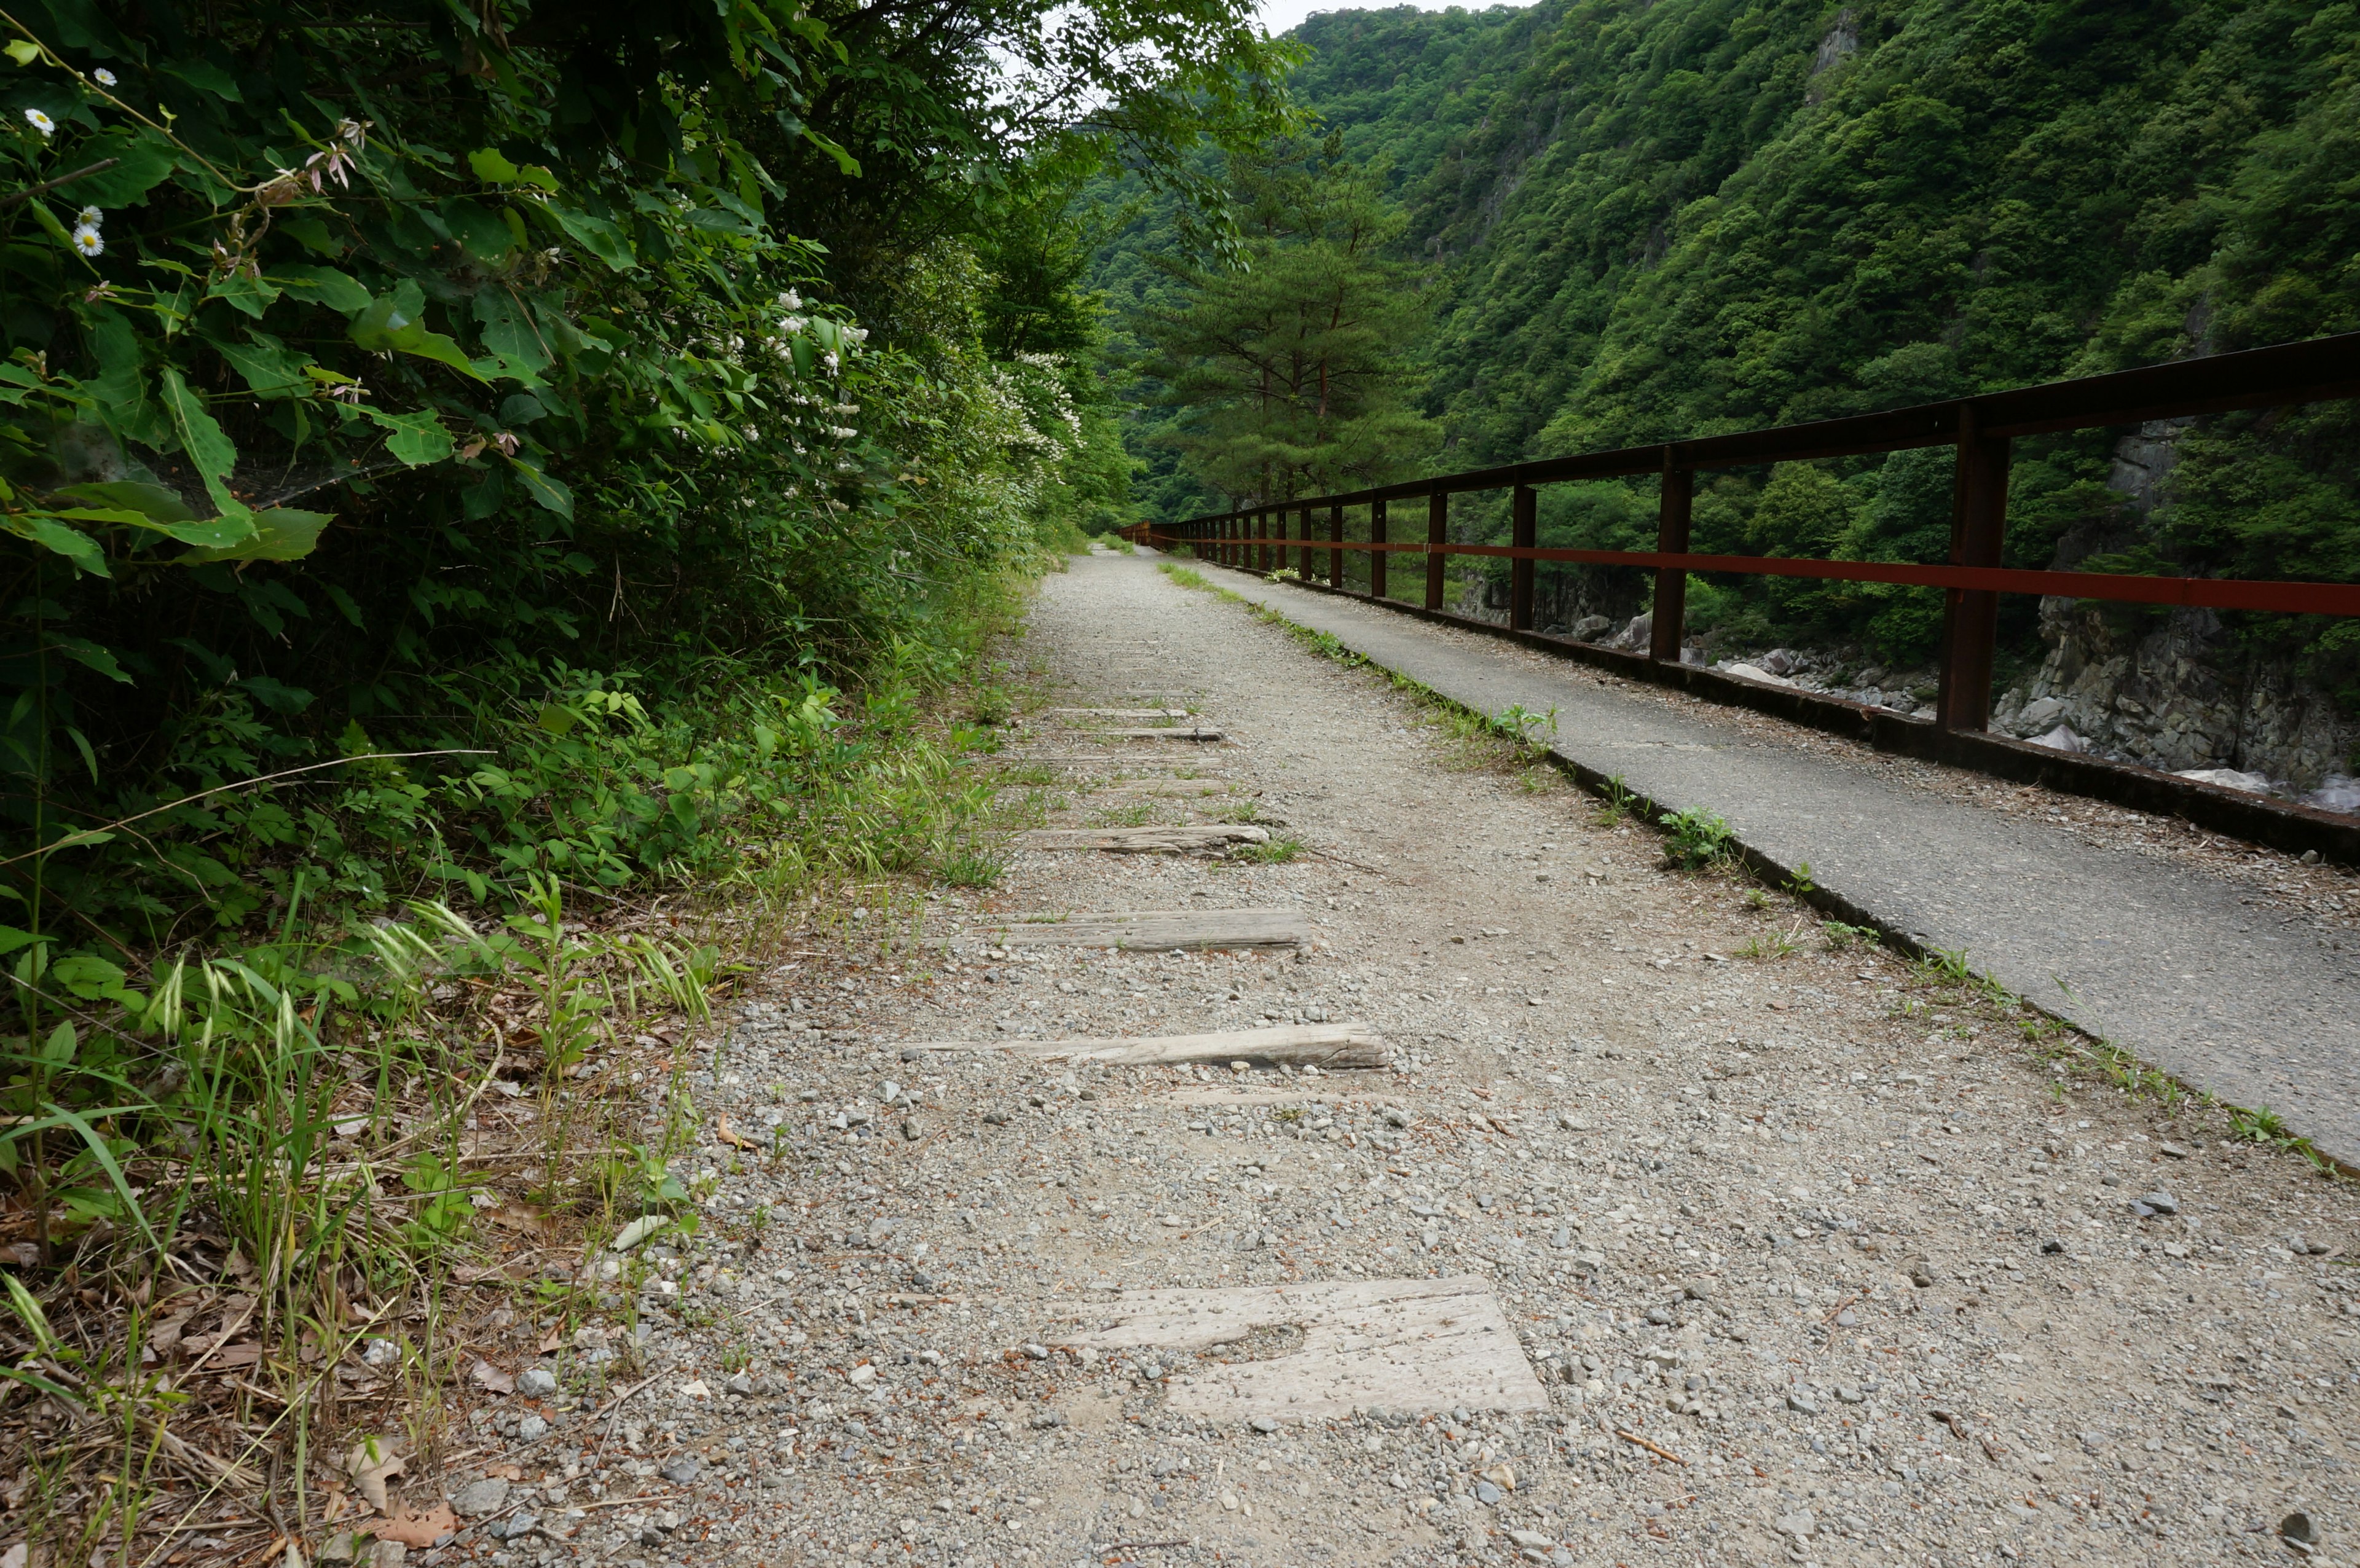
[1811, 1258]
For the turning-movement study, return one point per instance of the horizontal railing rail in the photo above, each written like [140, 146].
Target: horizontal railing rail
[1982, 429]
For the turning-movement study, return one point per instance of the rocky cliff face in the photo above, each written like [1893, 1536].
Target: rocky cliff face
[2177, 697]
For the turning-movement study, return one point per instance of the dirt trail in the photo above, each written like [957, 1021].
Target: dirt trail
[1641, 1251]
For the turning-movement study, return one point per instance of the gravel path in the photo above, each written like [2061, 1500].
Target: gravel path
[1642, 1251]
[2162, 953]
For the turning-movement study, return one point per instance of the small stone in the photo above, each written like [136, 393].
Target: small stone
[2052, 1246]
[741, 1384]
[537, 1382]
[1697, 1290]
[379, 1351]
[1036, 1353]
[1851, 1395]
[1798, 1524]
[532, 1429]
[1264, 1424]
[479, 1498]
[1921, 1273]
[2171, 1152]
[995, 1118]
[1801, 1404]
[2161, 1203]
[2296, 1528]
[1487, 1494]
[1230, 1501]
[1533, 1539]
[1048, 1420]
[912, 1130]
[682, 1471]
[1662, 1317]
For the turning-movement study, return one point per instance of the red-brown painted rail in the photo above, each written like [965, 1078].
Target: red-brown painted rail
[1982, 429]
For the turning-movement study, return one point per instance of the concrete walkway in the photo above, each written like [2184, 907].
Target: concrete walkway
[2154, 955]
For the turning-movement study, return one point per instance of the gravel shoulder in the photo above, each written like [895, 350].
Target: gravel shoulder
[1642, 1249]
[2237, 972]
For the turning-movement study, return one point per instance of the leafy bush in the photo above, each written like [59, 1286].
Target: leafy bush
[1694, 839]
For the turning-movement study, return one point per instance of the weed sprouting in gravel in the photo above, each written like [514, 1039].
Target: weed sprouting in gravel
[1276, 852]
[1615, 803]
[1695, 839]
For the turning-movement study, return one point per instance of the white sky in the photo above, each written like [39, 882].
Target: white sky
[1278, 16]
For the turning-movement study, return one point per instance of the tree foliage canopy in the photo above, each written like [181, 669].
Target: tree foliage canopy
[1287, 362]
[399, 376]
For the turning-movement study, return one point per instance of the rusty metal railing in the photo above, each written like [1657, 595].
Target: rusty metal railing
[1981, 428]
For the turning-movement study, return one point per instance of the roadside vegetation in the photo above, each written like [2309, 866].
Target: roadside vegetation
[504, 537]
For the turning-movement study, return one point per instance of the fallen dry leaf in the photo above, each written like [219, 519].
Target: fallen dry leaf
[505, 1472]
[733, 1137]
[371, 1463]
[417, 1529]
[492, 1379]
[554, 1338]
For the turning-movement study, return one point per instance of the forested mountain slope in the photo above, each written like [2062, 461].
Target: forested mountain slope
[1665, 220]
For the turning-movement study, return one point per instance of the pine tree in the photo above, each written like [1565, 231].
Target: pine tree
[1291, 361]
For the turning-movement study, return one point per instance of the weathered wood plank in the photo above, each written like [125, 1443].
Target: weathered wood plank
[1413, 1345]
[1142, 841]
[1176, 732]
[1124, 713]
[1150, 930]
[1325, 1046]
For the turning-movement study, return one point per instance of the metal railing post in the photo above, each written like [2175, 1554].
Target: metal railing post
[1671, 610]
[1523, 533]
[1970, 617]
[1376, 557]
[1335, 557]
[1438, 532]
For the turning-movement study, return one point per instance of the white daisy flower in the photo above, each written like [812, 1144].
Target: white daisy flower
[86, 240]
[103, 76]
[91, 216]
[41, 122]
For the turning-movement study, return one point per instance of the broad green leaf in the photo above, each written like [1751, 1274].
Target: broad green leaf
[72, 543]
[484, 231]
[548, 492]
[48, 222]
[311, 234]
[390, 326]
[335, 290]
[251, 295]
[11, 939]
[141, 504]
[23, 53]
[120, 391]
[508, 331]
[492, 167]
[270, 368]
[281, 533]
[205, 76]
[146, 160]
[155, 503]
[209, 449]
[603, 239]
[418, 437]
[92, 656]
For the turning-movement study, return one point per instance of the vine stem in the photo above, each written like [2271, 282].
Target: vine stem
[86, 834]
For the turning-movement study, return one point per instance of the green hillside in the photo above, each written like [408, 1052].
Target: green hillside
[1701, 215]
